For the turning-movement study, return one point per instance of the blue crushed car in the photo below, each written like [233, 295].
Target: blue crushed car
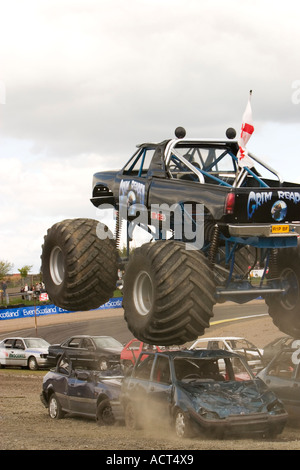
[73, 388]
[209, 391]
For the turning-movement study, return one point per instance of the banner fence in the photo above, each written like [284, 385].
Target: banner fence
[49, 309]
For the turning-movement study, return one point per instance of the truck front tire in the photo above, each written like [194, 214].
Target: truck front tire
[168, 293]
[79, 268]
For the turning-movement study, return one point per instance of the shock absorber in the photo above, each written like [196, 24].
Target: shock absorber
[273, 263]
[214, 245]
[118, 230]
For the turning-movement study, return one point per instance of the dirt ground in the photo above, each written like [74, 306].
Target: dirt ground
[25, 424]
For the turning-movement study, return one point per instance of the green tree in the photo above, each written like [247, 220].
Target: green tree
[24, 271]
[5, 268]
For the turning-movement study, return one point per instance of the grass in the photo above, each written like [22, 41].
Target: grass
[28, 303]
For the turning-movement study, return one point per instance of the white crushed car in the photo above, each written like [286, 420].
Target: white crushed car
[24, 352]
[241, 346]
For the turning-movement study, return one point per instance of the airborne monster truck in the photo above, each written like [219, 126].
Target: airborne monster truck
[211, 223]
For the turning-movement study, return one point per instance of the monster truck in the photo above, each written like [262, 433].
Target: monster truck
[211, 221]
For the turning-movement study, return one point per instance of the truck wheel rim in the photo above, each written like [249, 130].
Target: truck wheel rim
[180, 424]
[57, 270]
[52, 408]
[290, 282]
[143, 293]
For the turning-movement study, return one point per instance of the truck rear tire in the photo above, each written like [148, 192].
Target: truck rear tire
[285, 308]
[168, 293]
[79, 269]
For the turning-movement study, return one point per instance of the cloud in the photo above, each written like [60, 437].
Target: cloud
[85, 81]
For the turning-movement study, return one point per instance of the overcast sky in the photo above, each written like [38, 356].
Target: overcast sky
[82, 82]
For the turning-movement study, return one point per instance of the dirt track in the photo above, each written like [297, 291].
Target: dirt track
[25, 423]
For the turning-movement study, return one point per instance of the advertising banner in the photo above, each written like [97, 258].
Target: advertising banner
[41, 310]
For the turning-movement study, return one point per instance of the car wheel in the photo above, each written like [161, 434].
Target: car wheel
[55, 410]
[131, 417]
[32, 363]
[182, 425]
[104, 414]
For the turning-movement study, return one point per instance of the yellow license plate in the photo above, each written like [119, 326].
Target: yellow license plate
[280, 228]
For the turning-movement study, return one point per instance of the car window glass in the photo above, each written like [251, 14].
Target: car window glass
[36, 343]
[87, 344]
[74, 343]
[8, 343]
[64, 366]
[161, 372]
[211, 369]
[106, 342]
[143, 369]
[134, 345]
[19, 344]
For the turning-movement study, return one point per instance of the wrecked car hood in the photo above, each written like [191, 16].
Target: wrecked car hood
[229, 398]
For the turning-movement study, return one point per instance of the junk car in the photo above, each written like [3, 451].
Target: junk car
[70, 388]
[133, 349]
[282, 376]
[242, 346]
[200, 391]
[103, 350]
[24, 352]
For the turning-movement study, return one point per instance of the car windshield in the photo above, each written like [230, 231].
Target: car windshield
[107, 342]
[212, 369]
[36, 343]
[237, 344]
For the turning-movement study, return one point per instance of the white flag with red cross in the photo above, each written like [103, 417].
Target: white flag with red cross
[246, 132]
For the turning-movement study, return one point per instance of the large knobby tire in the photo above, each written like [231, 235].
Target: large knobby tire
[285, 308]
[168, 293]
[79, 268]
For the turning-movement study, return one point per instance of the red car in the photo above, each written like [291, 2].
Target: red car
[133, 349]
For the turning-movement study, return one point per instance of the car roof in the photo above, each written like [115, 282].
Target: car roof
[89, 336]
[21, 337]
[219, 338]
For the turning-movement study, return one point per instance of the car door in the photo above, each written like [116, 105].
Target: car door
[82, 398]
[62, 377]
[17, 354]
[5, 351]
[281, 377]
[159, 391]
[87, 350]
[137, 384]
